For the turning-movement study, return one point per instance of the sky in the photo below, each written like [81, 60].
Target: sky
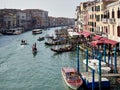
[56, 8]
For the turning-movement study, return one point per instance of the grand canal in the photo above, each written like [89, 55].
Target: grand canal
[20, 70]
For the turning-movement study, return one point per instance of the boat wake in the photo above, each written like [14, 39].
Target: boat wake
[20, 47]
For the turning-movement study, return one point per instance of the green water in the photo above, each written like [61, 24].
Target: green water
[21, 70]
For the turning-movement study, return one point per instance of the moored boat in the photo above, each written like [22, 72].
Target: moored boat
[64, 49]
[94, 64]
[50, 43]
[71, 77]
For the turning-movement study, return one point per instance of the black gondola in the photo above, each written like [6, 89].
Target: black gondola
[34, 49]
[64, 49]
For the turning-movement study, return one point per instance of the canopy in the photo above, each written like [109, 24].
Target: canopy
[97, 42]
[97, 37]
[111, 42]
[84, 33]
[108, 41]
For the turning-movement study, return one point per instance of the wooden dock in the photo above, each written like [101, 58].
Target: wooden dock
[111, 75]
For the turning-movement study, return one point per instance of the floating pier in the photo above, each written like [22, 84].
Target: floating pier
[89, 83]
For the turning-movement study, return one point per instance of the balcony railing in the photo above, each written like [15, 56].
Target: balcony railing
[112, 20]
[104, 20]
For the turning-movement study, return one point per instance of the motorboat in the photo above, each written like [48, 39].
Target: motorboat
[94, 64]
[37, 31]
[71, 77]
[40, 38]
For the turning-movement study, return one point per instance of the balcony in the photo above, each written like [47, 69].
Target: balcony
[112, 20]
[104, 20]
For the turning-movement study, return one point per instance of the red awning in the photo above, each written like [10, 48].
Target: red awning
[112, 42]
[86, 34]
[108, 41]
[96, 37]
[97, 42]
[103, 39]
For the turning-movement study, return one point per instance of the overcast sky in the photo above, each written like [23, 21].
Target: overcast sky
[56, 8]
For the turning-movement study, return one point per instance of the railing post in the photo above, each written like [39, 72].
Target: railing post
[115, 61]
[93, 78]
[104, 52]
[99, 70]
[78, 70]
[86, 60]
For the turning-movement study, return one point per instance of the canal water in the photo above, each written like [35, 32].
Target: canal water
[21, 70]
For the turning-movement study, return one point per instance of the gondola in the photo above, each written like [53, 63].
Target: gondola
[34, 49]
[50, 43]
[64, 49]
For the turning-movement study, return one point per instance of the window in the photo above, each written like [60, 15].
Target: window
[112, 13]
[118, 31]
[118, 13]
[98, 17]
[102, 16]
[97, 8]
[108, 15]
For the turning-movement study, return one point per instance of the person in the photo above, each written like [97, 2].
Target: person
[21, 41]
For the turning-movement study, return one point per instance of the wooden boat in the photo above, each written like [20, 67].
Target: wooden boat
[36, 31]
[71, 77]
[34, 49]
[40, 38]
[64, 49]
[94, 64]
[50, 43]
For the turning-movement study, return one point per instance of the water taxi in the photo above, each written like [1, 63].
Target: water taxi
[71, 77]
[37, 31]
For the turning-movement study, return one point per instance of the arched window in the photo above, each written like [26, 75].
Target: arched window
[118, 13]
[113, 13]
[118, 31]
